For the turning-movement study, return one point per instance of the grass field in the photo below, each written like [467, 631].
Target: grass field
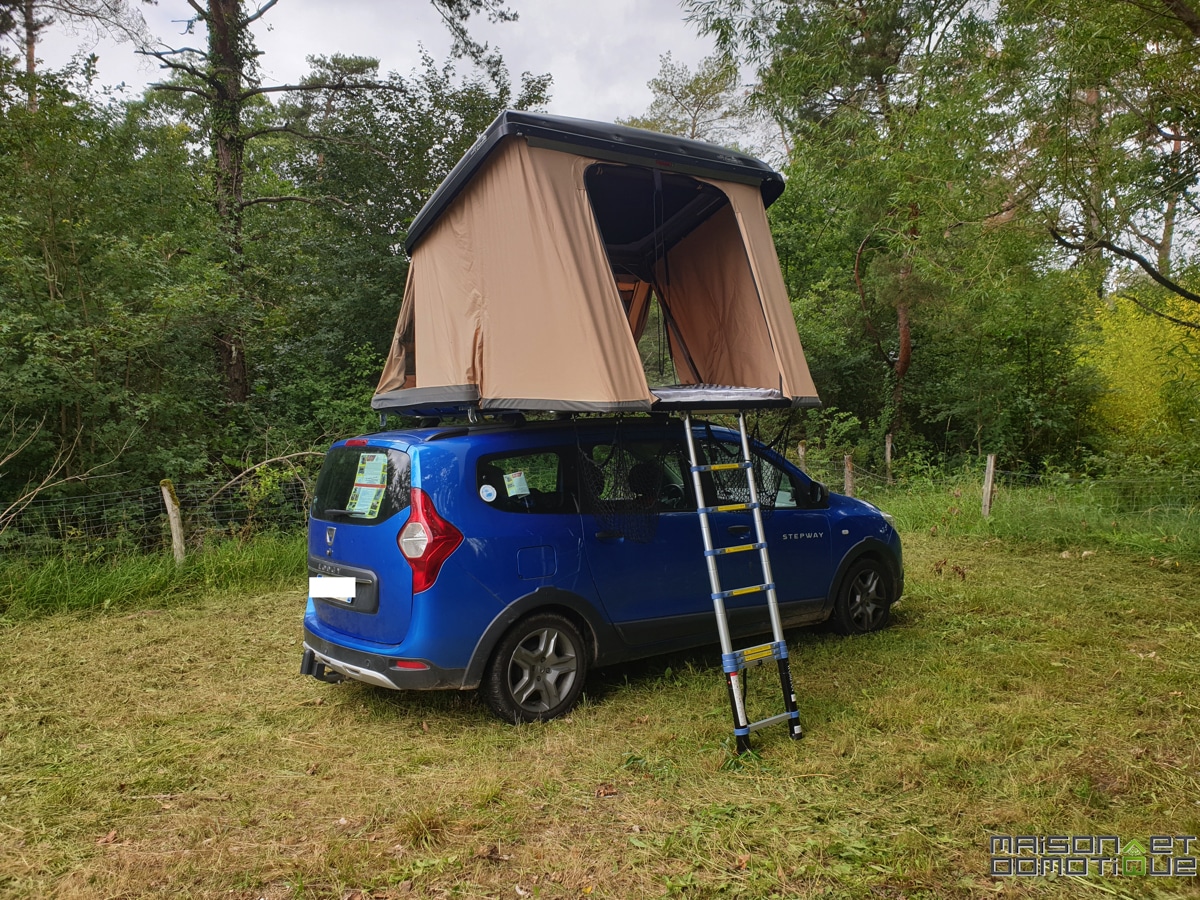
[1024, 688]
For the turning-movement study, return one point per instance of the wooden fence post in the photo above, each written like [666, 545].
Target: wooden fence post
[887, 457]
[802, 453]
[989, 481]
[849, 480]
[171, 501]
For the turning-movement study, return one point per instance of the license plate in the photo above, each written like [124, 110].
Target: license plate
[328, 587]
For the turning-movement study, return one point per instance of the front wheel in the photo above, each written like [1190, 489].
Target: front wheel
[538, 670]
[864, 602]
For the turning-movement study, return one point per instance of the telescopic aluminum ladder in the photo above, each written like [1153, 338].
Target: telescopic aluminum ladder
[736, 662]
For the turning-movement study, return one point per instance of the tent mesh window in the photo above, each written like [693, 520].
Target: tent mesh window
[641, 214]
[628, 484]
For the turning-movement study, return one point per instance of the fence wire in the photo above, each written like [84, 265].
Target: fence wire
[135, 521]
[130, 522]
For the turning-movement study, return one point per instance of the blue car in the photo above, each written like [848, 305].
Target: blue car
[514, 556]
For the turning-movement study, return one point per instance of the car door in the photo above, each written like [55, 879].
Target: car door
[799, 545]
[643, 543]
[796, 522]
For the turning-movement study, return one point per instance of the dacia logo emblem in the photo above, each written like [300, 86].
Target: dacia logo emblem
[330, 531]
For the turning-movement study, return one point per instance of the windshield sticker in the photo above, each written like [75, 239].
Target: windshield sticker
[515, 484]
[487, 492]
[370, 482]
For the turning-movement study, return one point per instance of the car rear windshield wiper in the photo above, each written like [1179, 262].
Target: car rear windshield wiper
[340, 512]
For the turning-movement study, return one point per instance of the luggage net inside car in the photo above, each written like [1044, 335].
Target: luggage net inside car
[627, 479]
[771, 428]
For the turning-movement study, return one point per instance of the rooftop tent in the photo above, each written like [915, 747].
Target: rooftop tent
[537, 263]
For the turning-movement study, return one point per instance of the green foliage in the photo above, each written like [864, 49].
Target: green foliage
[118, 288]
[930, 297]
[98, 326]
[701, 105]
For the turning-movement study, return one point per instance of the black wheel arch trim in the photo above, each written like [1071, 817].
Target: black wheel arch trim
[602, 637]
[866, 547]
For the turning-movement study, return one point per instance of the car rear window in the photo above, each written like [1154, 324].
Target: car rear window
[362, 485]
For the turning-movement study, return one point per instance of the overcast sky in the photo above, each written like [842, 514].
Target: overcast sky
[600, 52]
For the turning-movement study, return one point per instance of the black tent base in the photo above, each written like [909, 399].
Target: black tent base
[463, 402]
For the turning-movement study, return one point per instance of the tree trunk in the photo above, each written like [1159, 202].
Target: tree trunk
[903, 361]
[227, 57]
[903, 325]
[31, 26]
[1170, 214]
[228, 143]
[232, 354]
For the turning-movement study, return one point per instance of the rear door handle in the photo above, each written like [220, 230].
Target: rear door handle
[739, 530]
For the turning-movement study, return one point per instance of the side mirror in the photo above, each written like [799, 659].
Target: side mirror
[818, 495]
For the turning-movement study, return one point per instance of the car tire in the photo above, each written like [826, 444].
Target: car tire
[538, 669]
[864, 600]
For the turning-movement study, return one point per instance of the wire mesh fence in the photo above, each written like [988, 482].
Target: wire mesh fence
[129, 522]
[135, 521]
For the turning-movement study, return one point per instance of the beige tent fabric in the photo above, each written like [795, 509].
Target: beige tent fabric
[712, 297]
[511, 294]
[777, 308]
[400, 370]
[635, 295]
[514, 292]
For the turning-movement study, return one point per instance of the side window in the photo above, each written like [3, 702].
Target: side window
[634, 477]
[777, 488]
[525, 482]
[723, 486]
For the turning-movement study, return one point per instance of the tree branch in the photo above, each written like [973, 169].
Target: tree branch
[180, 89]
[265, 462]
[51, 479]
[1186, 15]
[260, 13]
[1162, 315]
[318, 138]
[311, 201]
[1149, 268]
[321, 86]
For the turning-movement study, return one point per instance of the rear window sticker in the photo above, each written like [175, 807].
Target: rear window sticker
[515, 484]
[370, 482]
[487, 492]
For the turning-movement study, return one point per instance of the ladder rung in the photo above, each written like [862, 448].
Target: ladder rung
[782, 717]
[721, 467]
[753, 656]
[729, 507]
[739, 592]
[739, 548]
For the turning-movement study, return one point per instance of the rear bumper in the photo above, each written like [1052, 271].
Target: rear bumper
[373, 668]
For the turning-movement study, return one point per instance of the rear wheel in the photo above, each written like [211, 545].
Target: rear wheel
[864, 602]
[538, 669]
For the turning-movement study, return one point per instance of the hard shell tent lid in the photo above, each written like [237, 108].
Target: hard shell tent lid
[537, 263]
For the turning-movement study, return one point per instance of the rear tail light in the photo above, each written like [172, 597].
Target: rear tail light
[426, 540]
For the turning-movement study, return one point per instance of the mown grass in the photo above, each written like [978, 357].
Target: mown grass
[178, 753]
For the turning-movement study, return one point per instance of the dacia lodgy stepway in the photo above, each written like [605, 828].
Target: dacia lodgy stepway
[513, 557]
